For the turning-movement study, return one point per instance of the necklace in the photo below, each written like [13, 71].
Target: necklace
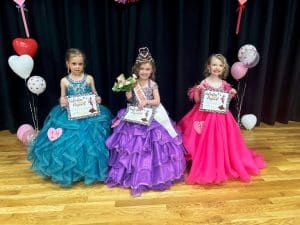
[71, 76]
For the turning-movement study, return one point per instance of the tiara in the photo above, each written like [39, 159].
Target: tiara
[144, 56]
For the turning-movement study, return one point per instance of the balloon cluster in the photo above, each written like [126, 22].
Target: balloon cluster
[248, 58]
[22, 65]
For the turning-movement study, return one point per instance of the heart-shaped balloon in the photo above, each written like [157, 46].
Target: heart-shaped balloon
[21, 65]
[26, 46]
[242, 2]
[54, 134]
[19, 2]
[248, 121]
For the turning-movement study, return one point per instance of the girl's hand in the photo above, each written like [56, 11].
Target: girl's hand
[232, 92]
[200, 86]
[63, 101]
[98, 99]
[128, 95]
[142, 104]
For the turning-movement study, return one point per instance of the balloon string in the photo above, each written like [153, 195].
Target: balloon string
[31, 107]
[35, 112]
[240, 9]
[242, 100]
[24, 19]
[238, 103]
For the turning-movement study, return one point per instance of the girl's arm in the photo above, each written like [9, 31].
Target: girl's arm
[92, 85]
[154, 101]
[63, 96]
[231, 90]
[128, 96]
[197, 92]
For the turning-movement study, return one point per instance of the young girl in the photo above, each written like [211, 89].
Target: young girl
[213, 140]
[71, 150]
[145, 157]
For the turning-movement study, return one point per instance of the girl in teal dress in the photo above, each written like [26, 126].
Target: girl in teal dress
[72, 150]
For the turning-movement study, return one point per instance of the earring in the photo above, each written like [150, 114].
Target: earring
[68, 70]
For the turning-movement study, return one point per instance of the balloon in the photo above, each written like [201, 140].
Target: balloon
[248, 121]
[36, 84]
[21, 65]
[26, 46]
[22, 129]
[254, 63]
[247, 55]
[28, 137]
[238, 70]
[19, 2]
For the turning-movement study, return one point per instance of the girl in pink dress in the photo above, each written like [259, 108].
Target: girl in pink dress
[214, 142]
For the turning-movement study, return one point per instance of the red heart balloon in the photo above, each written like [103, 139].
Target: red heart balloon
[27, 46]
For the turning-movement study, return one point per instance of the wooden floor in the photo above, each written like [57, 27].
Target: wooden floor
[271, 198]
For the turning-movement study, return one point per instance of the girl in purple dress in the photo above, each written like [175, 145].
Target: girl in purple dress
[144, 157]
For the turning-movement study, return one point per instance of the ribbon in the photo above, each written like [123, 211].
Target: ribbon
[161, 116]
[240, 10]
[21, 6]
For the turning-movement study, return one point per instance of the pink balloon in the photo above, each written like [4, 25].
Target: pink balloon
[28, 137]
[238, 70]
[22, 129]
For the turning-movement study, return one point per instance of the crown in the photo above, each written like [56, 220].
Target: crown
[144, 56]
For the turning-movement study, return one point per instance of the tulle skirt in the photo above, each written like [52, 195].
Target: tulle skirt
[144, 157]
[79, 153]
[216, 148]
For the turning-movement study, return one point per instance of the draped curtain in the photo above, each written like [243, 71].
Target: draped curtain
[180, 34]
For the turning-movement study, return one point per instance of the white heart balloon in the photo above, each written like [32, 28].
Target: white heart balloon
[248, 121]
[21, 65]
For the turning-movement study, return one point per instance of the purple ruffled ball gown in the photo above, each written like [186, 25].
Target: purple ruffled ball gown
[144, 157]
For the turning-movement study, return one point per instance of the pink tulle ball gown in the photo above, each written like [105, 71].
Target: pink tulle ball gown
[216, 146]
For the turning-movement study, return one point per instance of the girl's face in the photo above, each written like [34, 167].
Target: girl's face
[76, 65]
[216, 67]
[145, 71]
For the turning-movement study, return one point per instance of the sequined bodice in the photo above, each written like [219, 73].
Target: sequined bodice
[77, 87]
[148, 91]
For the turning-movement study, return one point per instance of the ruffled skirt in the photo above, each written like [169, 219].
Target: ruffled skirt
[79, 153]
[144, 157]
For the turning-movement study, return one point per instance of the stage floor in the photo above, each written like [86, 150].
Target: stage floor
[273, 197]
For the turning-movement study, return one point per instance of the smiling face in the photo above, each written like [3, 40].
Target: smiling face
[76, 64]
[216, 67]
[145, 71]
